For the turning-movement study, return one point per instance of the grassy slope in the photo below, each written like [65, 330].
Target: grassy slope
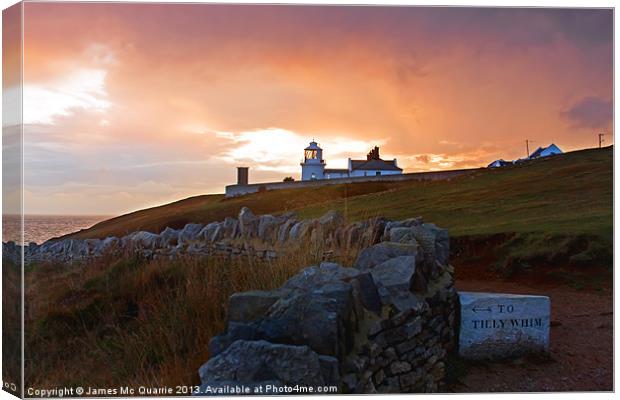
[572, 193]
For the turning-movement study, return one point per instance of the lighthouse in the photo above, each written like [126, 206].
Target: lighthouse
[313, 165]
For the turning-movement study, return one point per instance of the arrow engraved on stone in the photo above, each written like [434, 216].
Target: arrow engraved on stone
[478, 309]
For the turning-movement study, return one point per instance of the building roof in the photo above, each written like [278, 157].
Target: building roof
[335, 170]
[313, 146]
[499, 163]
[374, 164]
[540, 150]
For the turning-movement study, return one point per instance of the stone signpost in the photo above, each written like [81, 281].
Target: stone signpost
[499, 325]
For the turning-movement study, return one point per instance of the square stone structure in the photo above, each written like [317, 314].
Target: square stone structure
[500, 325]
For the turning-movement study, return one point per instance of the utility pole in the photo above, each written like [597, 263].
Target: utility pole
[601, 139]
[527, 147]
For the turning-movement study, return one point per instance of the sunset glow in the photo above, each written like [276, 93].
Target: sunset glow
[133, 105]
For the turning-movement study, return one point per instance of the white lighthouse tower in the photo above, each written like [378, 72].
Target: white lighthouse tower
[313, 166]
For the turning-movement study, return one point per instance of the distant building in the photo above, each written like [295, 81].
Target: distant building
[550, 150]
[540, 152]
[313, 165]
[499, 163]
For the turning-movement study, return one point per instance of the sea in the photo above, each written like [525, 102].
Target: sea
[40, 228]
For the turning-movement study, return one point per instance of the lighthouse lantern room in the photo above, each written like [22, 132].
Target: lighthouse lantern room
[313, 165]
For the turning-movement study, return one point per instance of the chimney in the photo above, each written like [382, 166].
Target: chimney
[373, 154]
[242, 175]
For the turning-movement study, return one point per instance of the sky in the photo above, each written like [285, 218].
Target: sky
[128, 106]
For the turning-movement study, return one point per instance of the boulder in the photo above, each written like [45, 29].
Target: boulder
[268, 227]
[252, 363]
[142, 240]
[323, 320]
[365, 292]
[395, 275]
[331, 220]
[189, 233]
[283, 231]
[109, 244]
[231, 228]
[312, 278]
[252, 305]
[294, 233]
[381, 252]
[248, 223]
[169, 237]
[206, 233]
[401, 234]
[435, 242]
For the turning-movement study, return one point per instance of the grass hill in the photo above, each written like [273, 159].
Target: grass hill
[546, 210]
[569, 193]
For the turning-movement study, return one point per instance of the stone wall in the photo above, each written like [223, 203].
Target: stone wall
[239, 190]
[385, 325]
[263, 237]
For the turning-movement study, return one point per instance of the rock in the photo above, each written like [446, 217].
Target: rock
[395, 274]
[294, 231]
[499, 325]
[255, 362]
[169, 237]
[330, 370]
[322, 320]
[143, 240]
[248, 223]
[206, 234]
[399, 367]
[250, 306]
[283, 231]
[434, 241]
[410, 379]
[405, 301]
[378, 377]
[381, 252]
[189, 233]
[331, 220]
[402, 235]
[313, 278]
[231, 228]
[268, 227]
[350, 382]
[365, 288]
[420, 285]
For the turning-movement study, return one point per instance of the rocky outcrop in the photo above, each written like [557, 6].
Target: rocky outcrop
[385, 325]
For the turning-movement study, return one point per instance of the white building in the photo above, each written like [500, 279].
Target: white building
[550, 150]
[313, 165]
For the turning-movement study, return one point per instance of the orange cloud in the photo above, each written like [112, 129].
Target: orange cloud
[439, 88]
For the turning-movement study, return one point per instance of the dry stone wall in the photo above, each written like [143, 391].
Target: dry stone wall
[263, 237]
[385, 325]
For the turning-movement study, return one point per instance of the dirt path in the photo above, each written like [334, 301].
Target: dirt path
[581, 348]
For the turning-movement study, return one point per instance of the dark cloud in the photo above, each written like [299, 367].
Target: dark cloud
[590, 112]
